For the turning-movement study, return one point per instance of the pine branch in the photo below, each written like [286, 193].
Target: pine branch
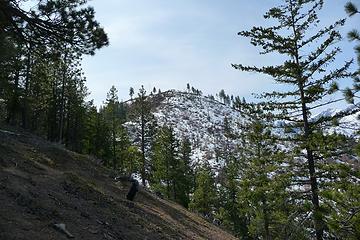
[354, 35]
[351, 9]
[330, 29]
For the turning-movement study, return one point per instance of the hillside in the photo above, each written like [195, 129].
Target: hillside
[202, 120]
[198, 118]
[42, 184]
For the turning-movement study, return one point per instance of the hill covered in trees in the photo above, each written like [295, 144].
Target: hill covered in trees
[278, 167]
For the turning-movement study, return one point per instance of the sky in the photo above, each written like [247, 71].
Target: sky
[167, 44]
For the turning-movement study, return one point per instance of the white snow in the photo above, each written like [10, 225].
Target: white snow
[201, 120]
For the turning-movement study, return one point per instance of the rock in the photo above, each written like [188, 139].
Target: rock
[61, 227]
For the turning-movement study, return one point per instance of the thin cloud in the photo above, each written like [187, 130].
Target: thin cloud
[167, 44]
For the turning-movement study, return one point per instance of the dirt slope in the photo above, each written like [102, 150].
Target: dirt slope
[42, 184]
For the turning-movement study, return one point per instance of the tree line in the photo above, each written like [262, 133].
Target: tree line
[288, 178]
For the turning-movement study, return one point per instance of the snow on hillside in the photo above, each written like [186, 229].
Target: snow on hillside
[200, 119]
[347, 125]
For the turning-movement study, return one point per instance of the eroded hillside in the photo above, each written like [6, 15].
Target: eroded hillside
[42, 184]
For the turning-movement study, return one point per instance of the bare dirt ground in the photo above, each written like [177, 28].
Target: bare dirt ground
[42, 184]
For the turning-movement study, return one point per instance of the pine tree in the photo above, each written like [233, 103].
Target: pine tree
[89, 140]
[222, 95]
[354, 35]
[342, 190]
[145, 129]
[74, 24]
[263, 195]
[131, 92]
[204, 198]
[351, 9]
[165, 159]
[171, 168]
[229, 212]
[32, 65]
[184, 174]
[132, 162]
[111, 109]
[123, 152]
[306, 73]
[103, 137]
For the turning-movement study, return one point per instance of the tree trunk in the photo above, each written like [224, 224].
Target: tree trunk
[318, 221]
[25, 107]
[143, 178]
[266, 219]
[13, 107]
[62, 101]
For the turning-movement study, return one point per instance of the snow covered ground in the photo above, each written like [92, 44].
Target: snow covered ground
[202, 121]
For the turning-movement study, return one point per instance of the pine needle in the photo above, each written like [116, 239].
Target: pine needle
[351, 9]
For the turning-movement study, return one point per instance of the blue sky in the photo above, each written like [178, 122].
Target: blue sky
[167, 44]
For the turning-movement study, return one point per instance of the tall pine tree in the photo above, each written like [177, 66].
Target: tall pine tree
[145, 128]
[309, 80]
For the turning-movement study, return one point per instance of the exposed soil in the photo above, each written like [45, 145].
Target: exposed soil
[42, 184]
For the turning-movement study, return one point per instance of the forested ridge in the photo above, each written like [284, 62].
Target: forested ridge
[273, 168]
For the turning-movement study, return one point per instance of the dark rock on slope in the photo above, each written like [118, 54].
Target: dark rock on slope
[42, 184]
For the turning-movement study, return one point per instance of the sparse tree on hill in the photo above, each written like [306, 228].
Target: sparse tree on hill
[131, 92]
[111, 110]
[146, 126]
[222, 95]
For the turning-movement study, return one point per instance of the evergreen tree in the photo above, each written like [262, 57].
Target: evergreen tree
[204, 198]
[127, 157]
[187, 177]
[354, 35]
[165, 158]
[306, 72]
[231, 212]
[171, 173]
[131, 92]
[89, 138]
[222, 95]
[263, 195]
[145, 129]
[103, 137]
[133, 160]
[111, 110]
[341, 188]
[351, 9]
[32, 65]
[50, 22]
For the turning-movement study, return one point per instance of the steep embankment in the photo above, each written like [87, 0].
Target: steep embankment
[42, 184]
